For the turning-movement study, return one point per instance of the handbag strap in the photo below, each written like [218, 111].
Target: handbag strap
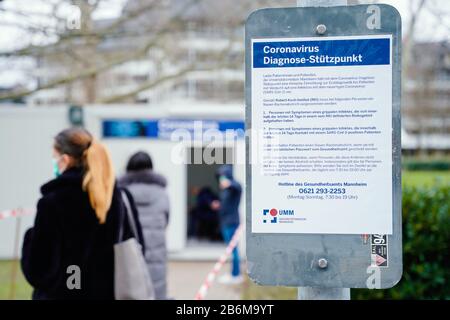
[128, 216]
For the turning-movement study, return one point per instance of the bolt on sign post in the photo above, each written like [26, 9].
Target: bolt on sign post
[323, 155]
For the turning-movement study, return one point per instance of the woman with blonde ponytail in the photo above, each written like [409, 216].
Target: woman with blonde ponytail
[68, 254]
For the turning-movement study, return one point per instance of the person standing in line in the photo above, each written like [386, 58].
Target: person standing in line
[207, 219]
[68, 253]
[228, 206]
[149, 193]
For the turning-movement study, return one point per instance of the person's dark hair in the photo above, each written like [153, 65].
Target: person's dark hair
[140, 161]
[73, 142]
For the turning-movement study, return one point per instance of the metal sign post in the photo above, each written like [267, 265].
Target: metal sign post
[323, 167]
[308, 293]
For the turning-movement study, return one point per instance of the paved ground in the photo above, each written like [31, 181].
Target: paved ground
[185, 278]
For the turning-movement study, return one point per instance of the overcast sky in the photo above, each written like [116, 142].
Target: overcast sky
[429, 28]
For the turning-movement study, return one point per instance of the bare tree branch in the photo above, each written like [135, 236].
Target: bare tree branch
[148, 85]
[409, 39]
[100, 34]
[221, 63]
[89, 72]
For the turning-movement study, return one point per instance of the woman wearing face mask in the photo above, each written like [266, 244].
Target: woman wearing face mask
[68, 254]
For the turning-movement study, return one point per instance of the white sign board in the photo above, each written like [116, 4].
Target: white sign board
[322, 108]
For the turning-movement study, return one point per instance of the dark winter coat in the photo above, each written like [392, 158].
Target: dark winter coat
[230, 198]
[67, 233]
[152, 202]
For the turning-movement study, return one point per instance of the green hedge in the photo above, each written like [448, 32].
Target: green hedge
[426, 165]
[426, 246]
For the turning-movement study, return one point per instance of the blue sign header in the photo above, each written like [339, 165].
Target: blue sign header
[352, 52]
[163, 128]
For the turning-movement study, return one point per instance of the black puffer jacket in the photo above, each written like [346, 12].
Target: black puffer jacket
[66, 232]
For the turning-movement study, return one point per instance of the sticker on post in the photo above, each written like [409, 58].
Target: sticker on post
[379, 253]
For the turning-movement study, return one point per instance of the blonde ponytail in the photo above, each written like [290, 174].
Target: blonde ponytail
[99, 178]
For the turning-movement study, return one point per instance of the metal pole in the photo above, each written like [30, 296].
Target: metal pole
[307, 293]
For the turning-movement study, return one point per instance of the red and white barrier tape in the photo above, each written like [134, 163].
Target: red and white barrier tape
[219, 264]
[15, 213]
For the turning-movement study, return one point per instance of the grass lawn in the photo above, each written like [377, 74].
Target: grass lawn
[425, 178]
[23, 289]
